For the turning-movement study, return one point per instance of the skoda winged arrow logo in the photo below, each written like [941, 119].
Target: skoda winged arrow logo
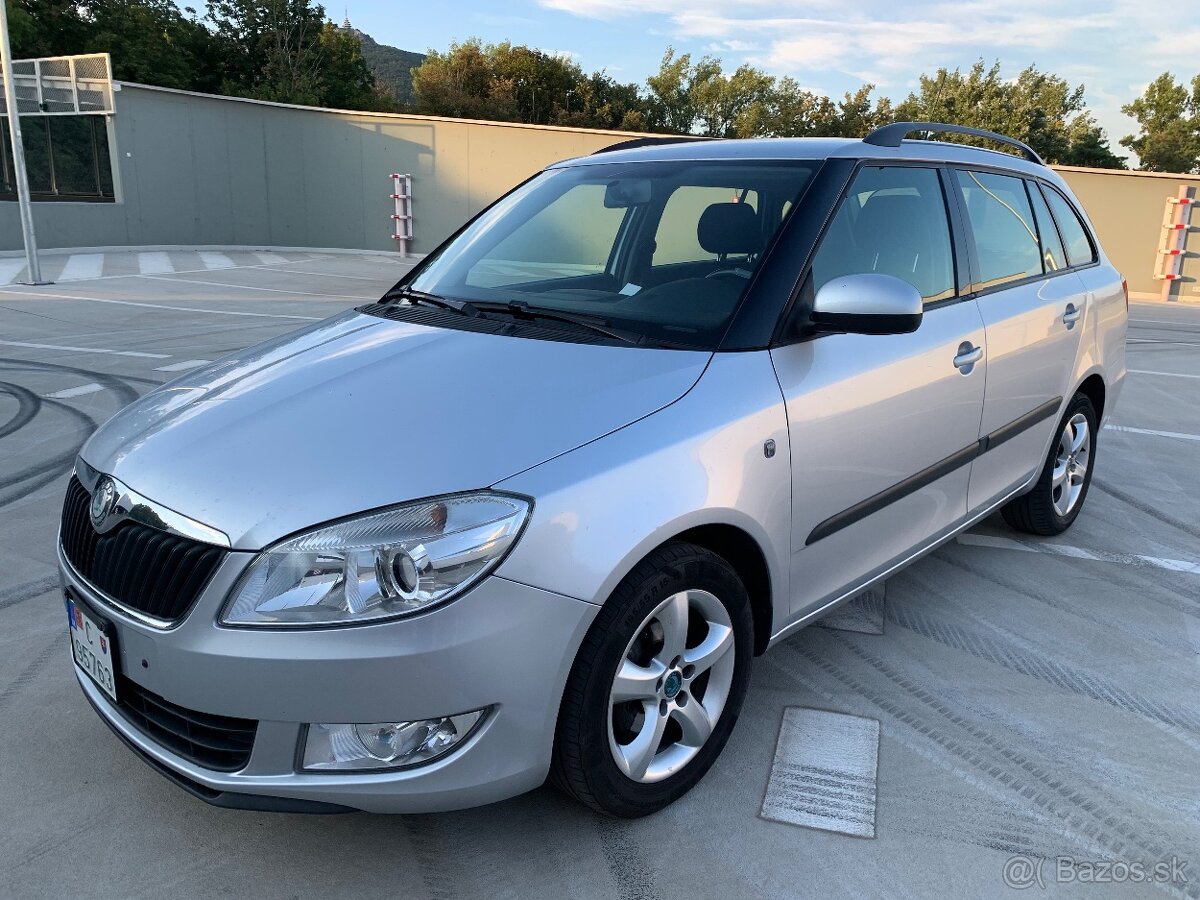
[102, 501]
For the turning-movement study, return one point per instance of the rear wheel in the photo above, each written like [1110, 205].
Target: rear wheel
[1058, 496]
[657, 686]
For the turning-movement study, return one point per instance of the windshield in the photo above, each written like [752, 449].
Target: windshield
[660, 250]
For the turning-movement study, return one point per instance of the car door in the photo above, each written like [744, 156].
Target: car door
[882, 427]
[1033, 309]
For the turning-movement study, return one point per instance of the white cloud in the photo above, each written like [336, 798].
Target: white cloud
[1107, 45]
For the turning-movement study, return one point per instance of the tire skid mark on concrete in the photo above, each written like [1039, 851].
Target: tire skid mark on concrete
[1021, 656]
[631, 874]
[26, 676]
[1166, 641]
[433, 852]
[1002, 772]
[28, 404]
[33, 478]
[19, 593]
[1149, 509]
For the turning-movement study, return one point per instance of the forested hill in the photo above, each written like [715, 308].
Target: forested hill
[391, 66]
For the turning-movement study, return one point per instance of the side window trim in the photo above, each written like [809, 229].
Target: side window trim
[1037, 225]
[963, 239]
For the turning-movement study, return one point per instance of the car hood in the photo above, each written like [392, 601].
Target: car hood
[359, 412]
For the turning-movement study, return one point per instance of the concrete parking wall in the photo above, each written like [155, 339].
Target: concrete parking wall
[194, 169]
[1127, 210]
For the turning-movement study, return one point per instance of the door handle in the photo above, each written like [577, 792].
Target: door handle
[1071, 315]
[968, 355]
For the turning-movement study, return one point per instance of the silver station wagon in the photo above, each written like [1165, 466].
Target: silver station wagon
[534, 513]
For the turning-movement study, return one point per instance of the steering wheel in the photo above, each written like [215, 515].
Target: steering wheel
[725, 273]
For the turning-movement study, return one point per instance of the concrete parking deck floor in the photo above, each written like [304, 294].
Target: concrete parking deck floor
[1006, 698]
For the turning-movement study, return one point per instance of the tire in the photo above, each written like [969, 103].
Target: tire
[597, 753]
[1049, 508]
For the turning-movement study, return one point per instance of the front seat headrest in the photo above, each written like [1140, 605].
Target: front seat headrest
[729, 228]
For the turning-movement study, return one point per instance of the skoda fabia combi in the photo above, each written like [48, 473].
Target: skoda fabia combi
[534, 513]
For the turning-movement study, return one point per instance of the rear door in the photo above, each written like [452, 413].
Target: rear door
[882, 427]
[1033, 307]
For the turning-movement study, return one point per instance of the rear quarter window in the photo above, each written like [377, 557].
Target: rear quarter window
[1080, 251]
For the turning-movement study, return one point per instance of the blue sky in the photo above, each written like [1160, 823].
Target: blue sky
[1114, 48]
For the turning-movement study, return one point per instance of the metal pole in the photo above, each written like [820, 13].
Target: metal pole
[33, 270]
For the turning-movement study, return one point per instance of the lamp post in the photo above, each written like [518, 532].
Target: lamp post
[33, 269]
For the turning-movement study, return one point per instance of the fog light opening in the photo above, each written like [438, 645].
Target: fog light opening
[385, 745]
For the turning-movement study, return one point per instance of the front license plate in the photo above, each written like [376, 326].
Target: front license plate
[93, 648]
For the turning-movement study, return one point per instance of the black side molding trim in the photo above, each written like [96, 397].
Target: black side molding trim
[1015, 427]
[926, 477]
[896, 492]
[225, 799]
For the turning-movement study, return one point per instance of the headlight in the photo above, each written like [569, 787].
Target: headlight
[392, 563]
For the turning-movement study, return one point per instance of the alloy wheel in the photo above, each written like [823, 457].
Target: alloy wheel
[1071, 463]
[671, 686]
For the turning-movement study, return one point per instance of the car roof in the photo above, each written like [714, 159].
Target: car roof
[782, 149]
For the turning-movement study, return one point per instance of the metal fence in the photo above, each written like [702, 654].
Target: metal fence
[64, 85]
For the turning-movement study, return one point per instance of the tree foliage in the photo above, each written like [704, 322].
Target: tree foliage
[1041, 109]
[1168, 116]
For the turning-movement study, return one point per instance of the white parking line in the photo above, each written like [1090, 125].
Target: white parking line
[1164, 374]
[1127, 559]
[10, 269]
[86, 350]
[89, 388]
[271, 259]
[186, 364]
[824, 772]
[1171, 434]
[81, 266]
[246, 287]
[213, 260]
[155, 263]
[189, 309]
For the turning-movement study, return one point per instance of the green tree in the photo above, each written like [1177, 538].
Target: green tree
[1041, 109]
[345, 78]
[151, 42]
[1168, 116]
[461, 83]
[670, 105]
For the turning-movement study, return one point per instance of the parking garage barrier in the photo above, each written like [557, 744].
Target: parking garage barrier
[1172, 246]
[402, 217]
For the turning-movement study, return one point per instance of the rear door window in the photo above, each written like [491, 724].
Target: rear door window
[893, 222]
[1001, 220]
[1080, 251]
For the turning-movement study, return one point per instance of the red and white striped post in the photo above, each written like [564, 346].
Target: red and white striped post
[1172, 247]
[402, 217]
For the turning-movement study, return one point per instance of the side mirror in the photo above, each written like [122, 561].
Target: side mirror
[867, 304]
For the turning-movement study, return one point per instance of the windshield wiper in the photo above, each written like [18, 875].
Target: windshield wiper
[521, 310]
[421, 298]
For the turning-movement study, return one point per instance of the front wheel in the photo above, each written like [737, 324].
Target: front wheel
[657, 686]
[1058, 496]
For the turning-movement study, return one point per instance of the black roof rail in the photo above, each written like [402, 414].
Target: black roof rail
[892, 135]
[633, 143]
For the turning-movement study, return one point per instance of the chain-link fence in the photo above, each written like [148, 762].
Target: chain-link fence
[63, 85]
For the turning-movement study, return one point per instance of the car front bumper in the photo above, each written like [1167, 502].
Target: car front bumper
[503, 646]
